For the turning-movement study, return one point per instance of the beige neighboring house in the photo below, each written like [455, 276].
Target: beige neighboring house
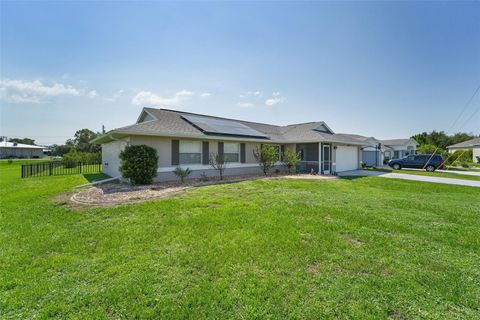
[398, 148]
[19, 150]
[187, 140]
[473, 144]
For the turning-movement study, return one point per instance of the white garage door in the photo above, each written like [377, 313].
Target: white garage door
[347, 158]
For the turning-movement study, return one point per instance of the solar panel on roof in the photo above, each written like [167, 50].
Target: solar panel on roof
[221, 126]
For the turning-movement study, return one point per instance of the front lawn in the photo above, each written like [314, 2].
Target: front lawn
[432, 174]
[310, 249]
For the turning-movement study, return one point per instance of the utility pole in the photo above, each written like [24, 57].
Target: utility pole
[103, 129]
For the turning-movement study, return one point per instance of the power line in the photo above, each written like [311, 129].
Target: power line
[464, 109]
[471, 117]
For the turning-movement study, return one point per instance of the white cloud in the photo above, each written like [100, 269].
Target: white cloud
[256, 94]
[152, 99]
[115, 96]
[245, 104]
[21, 91]
[275, 99]
[205, 94]
[92, 94]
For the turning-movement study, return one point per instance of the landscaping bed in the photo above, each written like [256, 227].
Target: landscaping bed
[110, 194]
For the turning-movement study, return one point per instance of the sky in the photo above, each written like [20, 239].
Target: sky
[382, 69]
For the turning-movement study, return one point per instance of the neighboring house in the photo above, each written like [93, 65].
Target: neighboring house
[473, 144]
[19, 150]
[187, 140]
[398, 148]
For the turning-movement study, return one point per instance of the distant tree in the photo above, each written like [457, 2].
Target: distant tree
[82, 141]
[266, 156]
[217, 162]
[290, 159]
[441, 139]
[60, 150]
[23, 141]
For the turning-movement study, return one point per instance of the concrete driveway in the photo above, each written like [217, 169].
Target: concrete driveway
[405, 176]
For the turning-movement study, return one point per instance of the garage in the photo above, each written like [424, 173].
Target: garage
[346, 158]
[371, 158]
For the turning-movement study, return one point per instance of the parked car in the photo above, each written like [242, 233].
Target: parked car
[418, 161]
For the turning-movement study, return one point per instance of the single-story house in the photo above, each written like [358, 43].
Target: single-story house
[19, 150]
[398, 148]
[473, 144]
[187, 140]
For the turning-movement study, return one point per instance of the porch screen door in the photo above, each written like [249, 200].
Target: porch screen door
[326, 159]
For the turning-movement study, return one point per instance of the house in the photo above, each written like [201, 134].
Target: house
[19, 150]
[397, 148]
[188, 139]
[473, 144]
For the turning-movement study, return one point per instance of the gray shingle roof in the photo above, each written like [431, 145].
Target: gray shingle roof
[170, 123]
[466, 144]
[395, 142]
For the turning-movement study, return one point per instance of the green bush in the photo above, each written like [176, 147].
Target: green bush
[290, 159]
[460, 156]
[182, 173]
[77, 156]
[139, 164]
[266, 156]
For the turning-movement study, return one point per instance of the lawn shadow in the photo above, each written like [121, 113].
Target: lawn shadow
[352, 177]
[91, 177]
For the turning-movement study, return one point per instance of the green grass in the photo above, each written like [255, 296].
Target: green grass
[432, 174]
[362, 248]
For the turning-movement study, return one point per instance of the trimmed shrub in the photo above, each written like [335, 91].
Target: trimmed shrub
[266, 156]
[290, 159]
[139, 164]
[182, 173]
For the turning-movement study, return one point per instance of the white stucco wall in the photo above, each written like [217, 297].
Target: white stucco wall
[110, 157]
[476, 153]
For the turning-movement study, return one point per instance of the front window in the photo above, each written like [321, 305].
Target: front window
[231, 152]
[190, 152]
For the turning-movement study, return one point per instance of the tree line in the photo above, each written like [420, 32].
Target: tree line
[438, 141]
[79, 148]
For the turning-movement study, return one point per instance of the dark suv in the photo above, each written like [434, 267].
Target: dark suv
[418, 161]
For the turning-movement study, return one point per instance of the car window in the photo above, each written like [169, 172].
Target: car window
[410, 158]
[420, 158]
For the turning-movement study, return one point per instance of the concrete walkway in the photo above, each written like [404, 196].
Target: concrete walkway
[366, 173]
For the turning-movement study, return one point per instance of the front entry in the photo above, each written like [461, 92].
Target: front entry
[326, 159]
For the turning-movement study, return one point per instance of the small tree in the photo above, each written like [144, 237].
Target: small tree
[139, 164]
[266, 156]
[290, 159]
[217, 161]
[182, 173]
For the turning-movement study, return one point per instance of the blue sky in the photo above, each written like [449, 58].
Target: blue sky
[379, 69]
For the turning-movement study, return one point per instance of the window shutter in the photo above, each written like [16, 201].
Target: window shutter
[282, 151]
[220, 148]
[205, 152]
[242, 152]
[175, 152]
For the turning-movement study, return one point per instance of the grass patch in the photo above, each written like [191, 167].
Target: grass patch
[361, 248]
[431, 174]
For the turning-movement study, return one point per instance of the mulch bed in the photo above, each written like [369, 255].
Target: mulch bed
[110, 194]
